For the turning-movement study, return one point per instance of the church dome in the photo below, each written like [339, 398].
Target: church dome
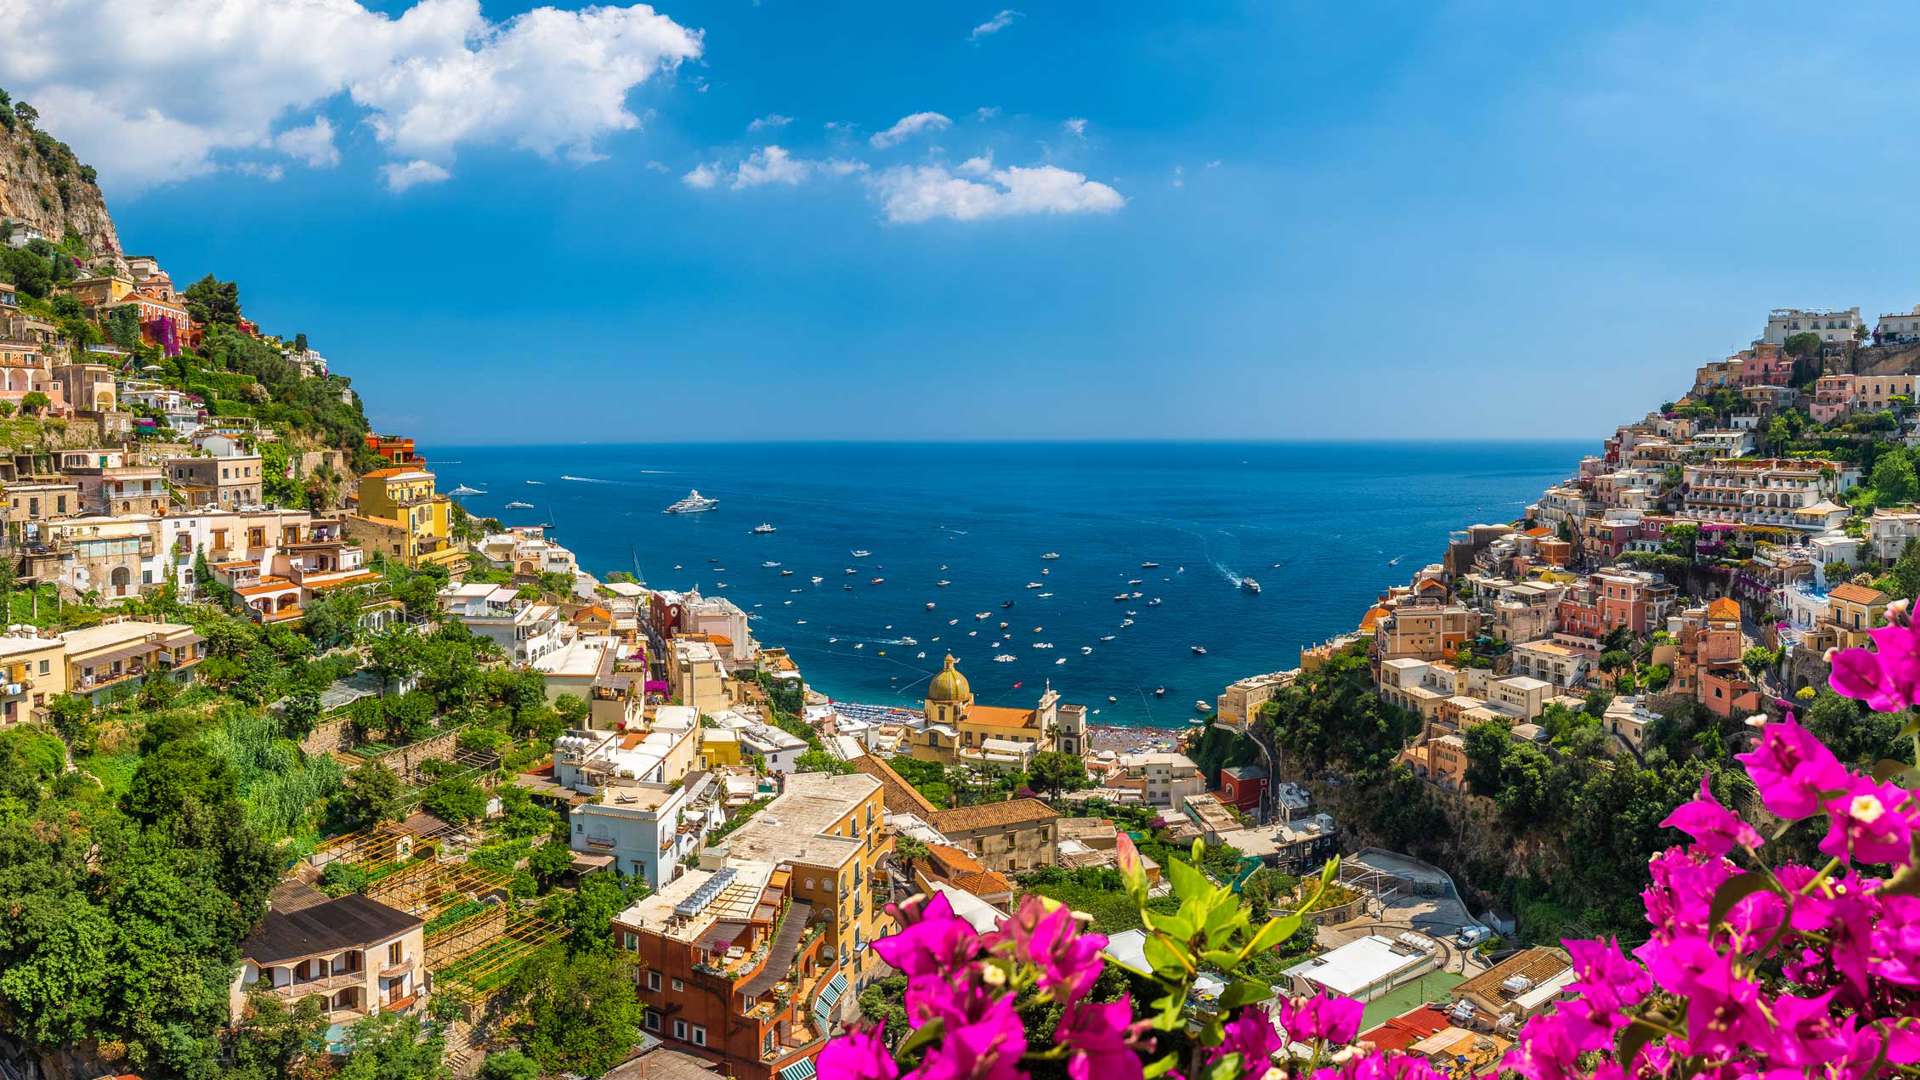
[949, 685]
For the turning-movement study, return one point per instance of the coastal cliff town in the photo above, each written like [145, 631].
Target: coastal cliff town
[304, 768]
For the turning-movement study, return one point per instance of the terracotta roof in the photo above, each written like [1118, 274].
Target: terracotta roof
[900, 797]
[1859, 594]
[983, 884]
[1374, 614]
[1537, 530]
[1402, 1031]
[991, 815]
[953, 861]
[1001, 716]
[1724, 608]
[1537, 964]
[397, 470]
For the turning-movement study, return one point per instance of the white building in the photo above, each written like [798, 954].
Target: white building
[1899, 328]
[1169, 777]
[525, 551]
[641, 794]
[525, 630]
[1832, 326]
[1559, 666]
[781, 749]
[1889, 529]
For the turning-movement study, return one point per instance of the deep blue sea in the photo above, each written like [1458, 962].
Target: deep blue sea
[1323, 527]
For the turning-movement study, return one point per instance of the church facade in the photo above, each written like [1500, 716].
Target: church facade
[959, 730]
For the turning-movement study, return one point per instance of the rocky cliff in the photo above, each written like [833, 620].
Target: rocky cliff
[44, 185]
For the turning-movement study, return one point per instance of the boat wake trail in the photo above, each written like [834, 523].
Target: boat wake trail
[1228, 572]
[591, 480]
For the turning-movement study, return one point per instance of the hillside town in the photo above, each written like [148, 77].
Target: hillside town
[464, 786]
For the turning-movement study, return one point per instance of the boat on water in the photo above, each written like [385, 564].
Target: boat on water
[1062, 660]
[1035, 585]
[1119, 598]
[763, 529]
[1126, 622]
[982, 614]
[922, 655]
[1006, 604]
[1200, 705]
[1112, 700]
[694, 503]
[1086, 650]
[1051, 555]
[1106, 637]
[878, 581]
[861, 553]
[786, 573]
[1198, 650]
[929, 605]
[1149, 566]
[1044, 595]
[1005, 658]
[851, 570]
[1159, 691]
[943, 583]
[465, 490]
[1135, 581]
[848, 586]
[719, 584]
[1247, 584]
[1197, 721]
[1155, 602]
[518, 505]
[769, 564]
[1043, 644]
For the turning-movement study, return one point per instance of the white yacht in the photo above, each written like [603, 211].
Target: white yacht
[861, 553]
[763, 529]
[816, 579]
[1247, 584]
[1035, 585]
[465, 490]
[694, 503]
[1051, 555]
[518, 505]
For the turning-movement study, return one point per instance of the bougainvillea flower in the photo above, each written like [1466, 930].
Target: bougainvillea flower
[1792, 769]
[987, 1048]
[1099, 1036]
[860, 1054]
[1870, 822]
[1050, 938]
[1715, 829]
[1886, 677]
[1249, 1034]
[932, 939]
[1321, 1017]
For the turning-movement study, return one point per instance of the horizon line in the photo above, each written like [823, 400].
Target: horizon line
[1144, 441]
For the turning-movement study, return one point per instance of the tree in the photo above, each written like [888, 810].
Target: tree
[1487, 746]
[1052, 772]
[820, 761]
[458, 800]
[393, 1046]
[1802, 345]
[588, 911]
[580, 1013]
[34, 403]
[373, 793]
[273, 1039]
[509, 1065]
[1894, 480]
[300, 712]
[1758, 659]
[549, 863]
[211, 301]
[72, 717]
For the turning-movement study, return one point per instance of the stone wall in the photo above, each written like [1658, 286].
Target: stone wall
[405, 760]
[329, 735]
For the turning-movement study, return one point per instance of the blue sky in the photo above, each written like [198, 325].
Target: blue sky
[1170, 220]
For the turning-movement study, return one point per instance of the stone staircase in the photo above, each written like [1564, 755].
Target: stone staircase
[463, 1052]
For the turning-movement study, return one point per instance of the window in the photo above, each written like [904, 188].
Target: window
[699, 1035]
[393, 954]
[680, 1030]
[653, 1021]
[653, 980]
[630, 941]
[678, 986]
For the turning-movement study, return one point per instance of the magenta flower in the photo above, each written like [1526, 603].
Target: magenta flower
[987, 1047]
[1792, 769]
[1722, 1011]
[1249, 1034]
[1099, 1036]
[1321, 1017]
[1715, 829]
[1606, 982]
[1887, 677]
[932, 939]
[1870, 822]
[1802, 1032]
[1051, 940]
[860, 1054]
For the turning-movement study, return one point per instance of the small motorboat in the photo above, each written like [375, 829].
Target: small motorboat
[929, 605]
[1159, 691]
[1005, 658]
[950, 622]
[1126, 622]
[851, 570]
[878, 581]
[921, 655]
[848, 586]
[1198, 650]
[982, 614]
[1155, 602]
[786, 573]
[861, 553]
[1060, 661]
[816, 579]
[1149, 566]
[1135, 581]
[518, 505]
[769, 564]
[1106, 637]
[943, 583]
[1035, 585]
[1247, 584]
[1112, 700]
[1119, 598]
[763, 529]
[1006, 604]
[1197, 721]
[1086, 650]
[859, 644]
[1044, 595]
[1051, 555]
[1043, 644]
[1200, 705]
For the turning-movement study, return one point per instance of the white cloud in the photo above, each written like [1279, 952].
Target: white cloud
[980, 165]
[1179, 176]
[272, 174]
[151, 97]
[912, 194]
[771, 120]
[401, 177]
[770, 165]
[986, 112]
[994, 25]
[657, 166]
[312, 143]
[908, 126]
[1076, 126]
[702, 176]
[1214, 164]
[843, 167]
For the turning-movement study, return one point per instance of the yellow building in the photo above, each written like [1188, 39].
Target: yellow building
[33, 671]
[402, 517]
[957, 729]
[719, 748]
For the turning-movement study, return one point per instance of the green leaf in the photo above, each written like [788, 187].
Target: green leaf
[1244, 992]
[1272, 934]
[1227, 1068]
[1226, 918]
[1224, 959]
[1887, 768]
[1188, 883]
[1199, 849]
[1632, 1038]
[924, 1035]
[1169, 958]
[1160, 1066]
[1177, 926]
[1732, 891]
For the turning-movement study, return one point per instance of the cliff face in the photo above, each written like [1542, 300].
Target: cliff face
[43, 184]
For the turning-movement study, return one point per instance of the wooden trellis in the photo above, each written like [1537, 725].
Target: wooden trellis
[481, 972]
[427, 889]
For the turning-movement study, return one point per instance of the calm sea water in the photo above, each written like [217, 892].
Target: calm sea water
[1323, 527]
